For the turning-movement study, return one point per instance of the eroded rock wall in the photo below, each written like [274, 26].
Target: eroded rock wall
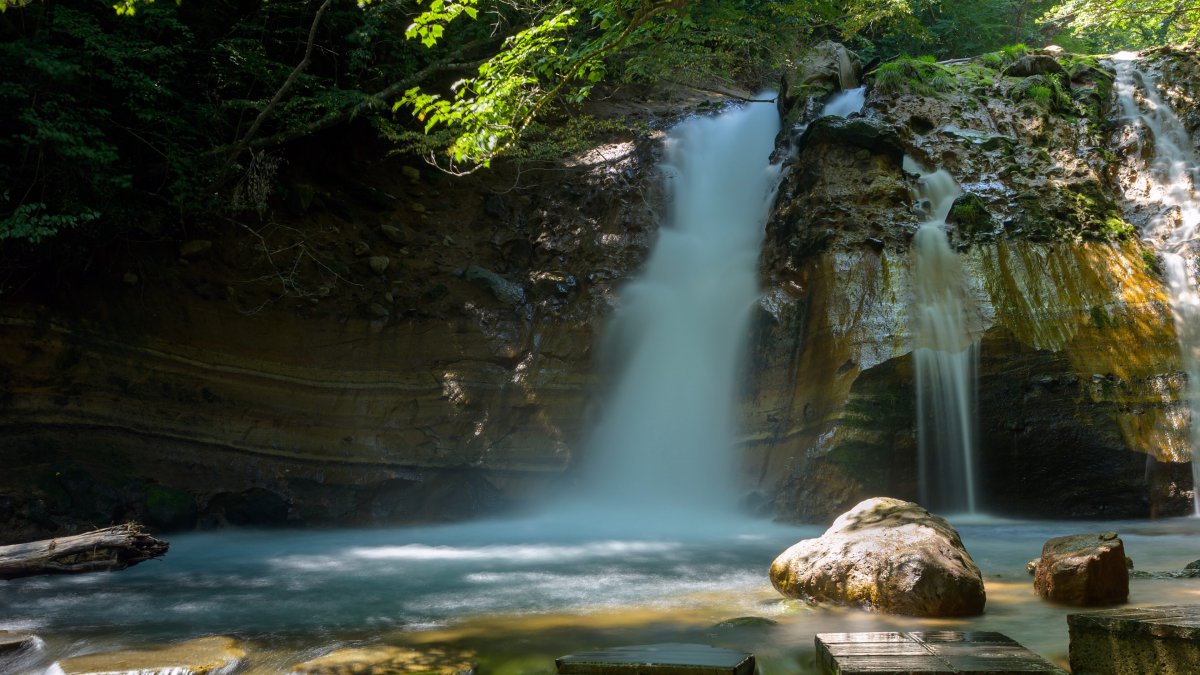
[1079, 378]
[389, 345]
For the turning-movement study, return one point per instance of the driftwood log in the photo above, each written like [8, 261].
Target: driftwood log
[109, 549]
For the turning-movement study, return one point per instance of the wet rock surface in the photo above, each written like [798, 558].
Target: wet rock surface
[387, 660]
[885, 555]
[1083, 569]
[1079, 371]
[244, 389]
[203, 656]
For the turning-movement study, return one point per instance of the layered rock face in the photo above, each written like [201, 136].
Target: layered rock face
[1080, 385]
[416, 348]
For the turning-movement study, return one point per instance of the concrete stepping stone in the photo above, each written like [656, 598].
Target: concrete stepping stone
[659, 659]
[1136, 640]
[942, 652]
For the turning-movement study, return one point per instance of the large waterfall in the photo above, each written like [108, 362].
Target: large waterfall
[1167, 193]
[944, 354]
[662, 454]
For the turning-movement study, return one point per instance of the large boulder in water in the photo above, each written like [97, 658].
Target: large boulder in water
[1083, 569]
[887, 555]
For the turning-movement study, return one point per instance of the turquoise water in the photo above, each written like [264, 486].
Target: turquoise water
[521, 588]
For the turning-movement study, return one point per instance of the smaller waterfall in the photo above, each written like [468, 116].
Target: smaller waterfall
[845, 103]
[1168, 190]
[944, 354]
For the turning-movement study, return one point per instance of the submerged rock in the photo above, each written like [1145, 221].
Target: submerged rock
[1083, 569]
[203, 656]
[887, 555]
[18, 651]
[387, 660]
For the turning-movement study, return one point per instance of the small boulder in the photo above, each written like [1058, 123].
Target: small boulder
[379, 263]
[202, 656]
[195, 248]
[18, 651]
[887, 555]
[394, 234]
[1083, 569]
[504, 290]
[1034, 64]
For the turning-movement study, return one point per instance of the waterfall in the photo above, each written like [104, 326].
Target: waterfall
[944, 355]
[662, 454]
[845, 103]
[1167, 193]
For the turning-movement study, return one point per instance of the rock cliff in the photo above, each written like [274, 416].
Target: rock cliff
[1080, 384]
[393, 345]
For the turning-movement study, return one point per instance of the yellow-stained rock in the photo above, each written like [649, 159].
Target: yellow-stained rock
[387, 660]
[215, 655]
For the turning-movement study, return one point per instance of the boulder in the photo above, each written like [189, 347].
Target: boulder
[825, 67]
[504, 290]
[379, 263]
[1034, 64]
[1083, 569]
[827, 64]
[202, 656]
[18, 651]
[886, 555]
[195, 248]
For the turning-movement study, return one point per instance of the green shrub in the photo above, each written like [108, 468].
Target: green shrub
[923, 76]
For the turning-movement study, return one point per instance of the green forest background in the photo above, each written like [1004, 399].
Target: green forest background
[147, 118]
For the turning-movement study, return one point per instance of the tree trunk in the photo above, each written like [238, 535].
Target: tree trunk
[109, 549]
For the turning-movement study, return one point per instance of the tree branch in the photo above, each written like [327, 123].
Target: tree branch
[240, 146]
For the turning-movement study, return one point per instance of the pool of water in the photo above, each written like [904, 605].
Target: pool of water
[519, 593]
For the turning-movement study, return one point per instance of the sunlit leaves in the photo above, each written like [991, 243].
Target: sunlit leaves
[1129, 23]
[430, 25]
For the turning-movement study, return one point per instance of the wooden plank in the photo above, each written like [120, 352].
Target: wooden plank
[658, 659]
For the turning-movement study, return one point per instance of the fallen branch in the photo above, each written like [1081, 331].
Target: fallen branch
[106, 550]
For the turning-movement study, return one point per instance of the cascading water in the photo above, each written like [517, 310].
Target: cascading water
[845, 103]
[662, 456]
[1167, 192]
[944, 354]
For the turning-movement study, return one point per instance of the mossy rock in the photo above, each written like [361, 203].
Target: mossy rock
[869, 134]
[971, 217]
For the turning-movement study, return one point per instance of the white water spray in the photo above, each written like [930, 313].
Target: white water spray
[944, 354]
[662, 457]
[1168, 191]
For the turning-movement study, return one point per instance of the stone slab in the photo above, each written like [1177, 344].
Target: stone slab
[658, 659]
[1135, 640]
[213, 655]
[930, 652]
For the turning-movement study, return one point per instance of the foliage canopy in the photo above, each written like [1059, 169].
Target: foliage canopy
[158, 111]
